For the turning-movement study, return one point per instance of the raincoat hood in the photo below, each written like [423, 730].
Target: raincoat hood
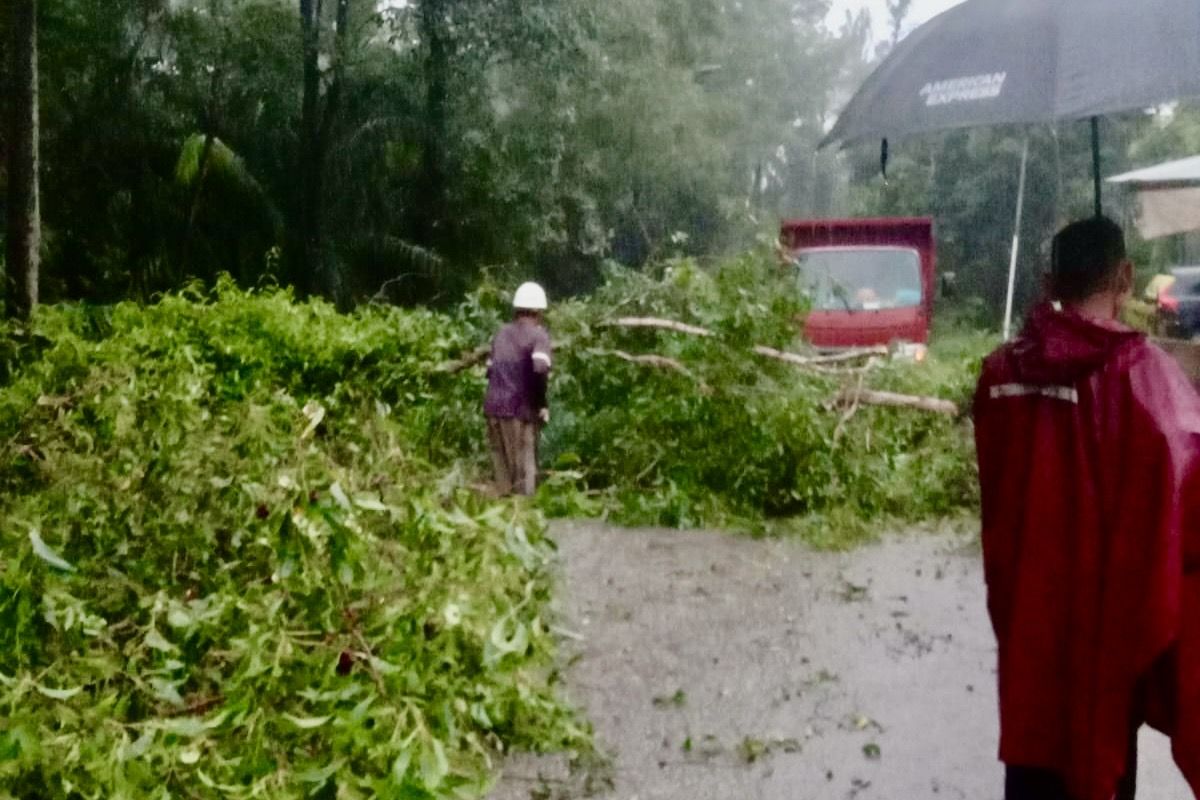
[1063, 346]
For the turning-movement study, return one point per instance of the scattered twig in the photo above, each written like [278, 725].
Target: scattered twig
[199, 707]
[641, 476]
[934, 405]
[381, 296]
[851, 411]
[370, 656]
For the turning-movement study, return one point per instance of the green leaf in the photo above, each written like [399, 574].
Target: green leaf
[321, 774]
[400, 766]
[166, 691]
[139, 746]
[307, 723]
[58, 694]
[187, 727]
[155, 641]
[505, 645]
[339, 495]
[370, 504]
[43, 551]
[434, 765]
[178, 618]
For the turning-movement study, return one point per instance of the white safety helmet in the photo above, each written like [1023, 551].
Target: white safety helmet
[530, 297]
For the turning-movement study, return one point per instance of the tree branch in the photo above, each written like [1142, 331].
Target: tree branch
[663, 324]
[808, 361]
[654, 360]
[468, 360]
[934, 405]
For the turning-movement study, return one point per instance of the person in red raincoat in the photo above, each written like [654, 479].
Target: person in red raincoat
[1088, 440]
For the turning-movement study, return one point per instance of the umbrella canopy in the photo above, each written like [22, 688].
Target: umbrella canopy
[994, 62]
[991, 62]
[1168, 197]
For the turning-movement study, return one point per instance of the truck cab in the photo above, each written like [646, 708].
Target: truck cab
[870, 281]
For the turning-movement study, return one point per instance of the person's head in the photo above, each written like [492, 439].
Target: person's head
[529, 302]
[1088, 267]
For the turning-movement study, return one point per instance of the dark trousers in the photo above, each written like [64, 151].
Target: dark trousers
[1031, 783]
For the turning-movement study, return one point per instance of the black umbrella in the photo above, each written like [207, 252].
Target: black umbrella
[992, 62]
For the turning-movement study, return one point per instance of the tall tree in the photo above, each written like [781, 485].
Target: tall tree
[897, 13]
[430, 204]
[24, 217]
[317, 272]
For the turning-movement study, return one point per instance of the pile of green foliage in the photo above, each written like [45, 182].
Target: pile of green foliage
[242, 554]
[230, 571]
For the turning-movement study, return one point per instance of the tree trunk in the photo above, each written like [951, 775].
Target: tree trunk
[431, 188]
[331, 277]
[307, 257]
[24, 215]
[316, 271]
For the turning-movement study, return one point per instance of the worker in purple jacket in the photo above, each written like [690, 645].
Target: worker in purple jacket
[516, 395]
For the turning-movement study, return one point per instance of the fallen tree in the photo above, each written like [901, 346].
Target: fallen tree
[817, 362]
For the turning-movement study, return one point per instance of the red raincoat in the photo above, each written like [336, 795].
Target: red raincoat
[1089, 460]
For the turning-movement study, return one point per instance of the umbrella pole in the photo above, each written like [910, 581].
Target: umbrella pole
[1096, 163]
[1016, 242]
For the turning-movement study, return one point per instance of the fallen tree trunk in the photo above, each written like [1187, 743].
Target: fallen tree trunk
[850, 397]
[869, 397]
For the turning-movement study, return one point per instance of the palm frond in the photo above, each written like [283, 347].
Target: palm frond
[227, 172]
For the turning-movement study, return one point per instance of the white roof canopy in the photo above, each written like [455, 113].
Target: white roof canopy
[1183, 171]
[1168, 197]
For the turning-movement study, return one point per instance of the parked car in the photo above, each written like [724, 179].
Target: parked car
[1179, 304]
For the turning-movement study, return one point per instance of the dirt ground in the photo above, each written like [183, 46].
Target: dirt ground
[718, 667]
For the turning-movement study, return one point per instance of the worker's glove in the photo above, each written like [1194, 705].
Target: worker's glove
[544, 416]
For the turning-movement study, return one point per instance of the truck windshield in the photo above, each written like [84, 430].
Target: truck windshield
[860, 278]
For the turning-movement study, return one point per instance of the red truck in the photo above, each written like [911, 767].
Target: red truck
[871, 281]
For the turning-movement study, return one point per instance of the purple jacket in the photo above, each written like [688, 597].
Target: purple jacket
[518, 371]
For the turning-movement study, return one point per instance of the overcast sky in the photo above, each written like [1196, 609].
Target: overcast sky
[921, 11]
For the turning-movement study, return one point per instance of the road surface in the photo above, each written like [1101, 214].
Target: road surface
[719, 667]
